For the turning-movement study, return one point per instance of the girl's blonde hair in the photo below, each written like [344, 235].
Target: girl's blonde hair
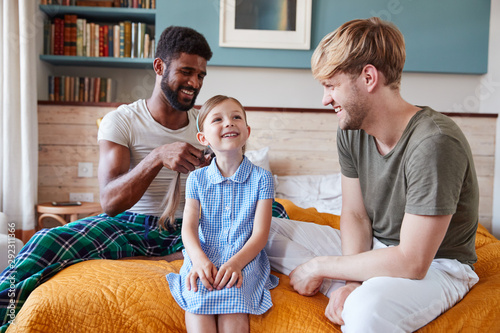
[173, 196]
[358, 43]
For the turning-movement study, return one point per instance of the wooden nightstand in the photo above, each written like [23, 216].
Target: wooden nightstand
[66, 214]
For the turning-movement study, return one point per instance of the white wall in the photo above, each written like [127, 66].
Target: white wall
[272, 87]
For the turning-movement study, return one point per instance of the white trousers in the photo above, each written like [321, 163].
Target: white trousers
[381, 304]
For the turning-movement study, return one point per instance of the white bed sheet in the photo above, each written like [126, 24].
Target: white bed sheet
[322, 192]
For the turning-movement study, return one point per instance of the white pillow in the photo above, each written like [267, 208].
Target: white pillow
[259, 157]
[322, 192]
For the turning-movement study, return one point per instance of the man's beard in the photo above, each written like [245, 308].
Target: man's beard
[356, 109]
[173, 95]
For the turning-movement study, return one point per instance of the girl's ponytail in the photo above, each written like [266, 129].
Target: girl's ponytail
[171, 203]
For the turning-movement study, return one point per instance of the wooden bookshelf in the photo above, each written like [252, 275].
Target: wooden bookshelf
[107, 17]
[102, 13]
[59, 60]
[103, 17]
[109, 32]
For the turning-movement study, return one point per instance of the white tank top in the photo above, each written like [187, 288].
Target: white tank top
[133, 126]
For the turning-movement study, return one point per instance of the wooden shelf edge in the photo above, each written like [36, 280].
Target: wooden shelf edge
[266, 109]
[61, 60]
[145, 15]
[312, 110]
[96, 104]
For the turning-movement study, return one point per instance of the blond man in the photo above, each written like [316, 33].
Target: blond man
[405, 252]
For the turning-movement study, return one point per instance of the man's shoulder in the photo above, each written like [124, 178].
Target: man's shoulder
[193, 111]
[132, 109]
[126, 111]
[431, 123]
[434, 119]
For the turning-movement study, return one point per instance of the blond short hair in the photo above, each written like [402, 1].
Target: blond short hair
[358, 43]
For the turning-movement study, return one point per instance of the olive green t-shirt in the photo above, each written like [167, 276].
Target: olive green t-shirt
[430, 171]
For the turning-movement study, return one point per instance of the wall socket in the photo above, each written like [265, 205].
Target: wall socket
[87, 197]
[85, 169]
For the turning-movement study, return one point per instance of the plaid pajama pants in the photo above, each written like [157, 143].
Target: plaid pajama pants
[97, 237]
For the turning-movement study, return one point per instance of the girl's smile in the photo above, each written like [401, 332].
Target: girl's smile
[230, 135]
[225, 127]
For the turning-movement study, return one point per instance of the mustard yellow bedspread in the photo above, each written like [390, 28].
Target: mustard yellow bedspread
[133, 296]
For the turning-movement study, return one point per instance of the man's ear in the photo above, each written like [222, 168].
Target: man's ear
[158, 66]
[202, 139]
[371, 77]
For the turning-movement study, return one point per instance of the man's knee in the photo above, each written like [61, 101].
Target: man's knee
[366, 309]
[385, 304]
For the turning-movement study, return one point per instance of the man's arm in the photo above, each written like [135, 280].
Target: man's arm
[356, 237]
[420, 238]
[120, 188]
[355, 225]
[355, 230]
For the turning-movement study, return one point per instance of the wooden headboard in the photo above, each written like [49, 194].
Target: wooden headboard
[301, 141]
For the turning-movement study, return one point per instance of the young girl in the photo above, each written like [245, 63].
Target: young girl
[227, 216]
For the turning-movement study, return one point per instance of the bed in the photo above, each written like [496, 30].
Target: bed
[133, 296]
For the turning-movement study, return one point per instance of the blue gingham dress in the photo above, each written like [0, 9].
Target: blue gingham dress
[226, 223]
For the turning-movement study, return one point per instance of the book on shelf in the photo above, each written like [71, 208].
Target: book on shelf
[122, 39]
[127, 35]
[116, 41]
[102, 41]
[97, 90]
[70, 35]
[141, 32]
[108, 3]
[109, 41]
[46, 36]
[146, 4]
[133, 41]
[80, 89]
[74, 36]
[94, 39]
[147, 46]
[51, 89]
[55, 42]
[80, 36]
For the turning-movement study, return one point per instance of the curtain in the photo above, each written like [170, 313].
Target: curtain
[18, 112]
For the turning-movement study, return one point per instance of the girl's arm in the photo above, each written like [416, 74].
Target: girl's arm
[202, 268]
[230, 273]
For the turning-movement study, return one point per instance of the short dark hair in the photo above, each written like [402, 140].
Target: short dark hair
[176, 40]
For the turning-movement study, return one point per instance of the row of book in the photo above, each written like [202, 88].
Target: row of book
[80, 89]
[73, 36]
[148, 4]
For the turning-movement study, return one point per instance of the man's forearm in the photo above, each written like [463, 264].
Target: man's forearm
[390, 261]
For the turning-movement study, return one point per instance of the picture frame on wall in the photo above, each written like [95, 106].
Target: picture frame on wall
[265, 24]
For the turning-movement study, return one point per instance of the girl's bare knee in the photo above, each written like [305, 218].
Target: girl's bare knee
[233, 322]
[200, 323]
